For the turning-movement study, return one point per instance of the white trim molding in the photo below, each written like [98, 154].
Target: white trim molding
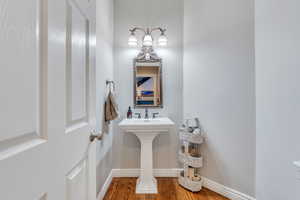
[105, 186]
[174, 172]
[225, 191]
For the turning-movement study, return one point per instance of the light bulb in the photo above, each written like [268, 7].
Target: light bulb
[162, 40]
[147, 41]
[132, 40]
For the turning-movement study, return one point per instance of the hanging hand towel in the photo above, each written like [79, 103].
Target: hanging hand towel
[111, 109]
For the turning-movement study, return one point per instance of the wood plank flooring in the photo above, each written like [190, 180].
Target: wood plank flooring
[168, 189]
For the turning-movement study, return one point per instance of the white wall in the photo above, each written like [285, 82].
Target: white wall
[278, 96]
[144, 13]
[219, 87]
[104, 71]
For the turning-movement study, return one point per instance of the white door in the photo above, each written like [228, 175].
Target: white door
[47, 99]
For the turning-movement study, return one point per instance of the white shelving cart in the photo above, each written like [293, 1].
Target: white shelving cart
[190, 156]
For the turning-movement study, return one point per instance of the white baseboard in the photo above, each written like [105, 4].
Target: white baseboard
[225, 191]
[105, 186]
[174, 172]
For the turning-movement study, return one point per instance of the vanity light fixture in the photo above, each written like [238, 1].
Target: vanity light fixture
[147, 53]
[147, 40]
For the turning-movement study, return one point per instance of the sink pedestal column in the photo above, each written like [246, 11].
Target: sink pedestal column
[146, 183]
[146, 130]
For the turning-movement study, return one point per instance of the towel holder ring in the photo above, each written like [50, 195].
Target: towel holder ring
[110, 82]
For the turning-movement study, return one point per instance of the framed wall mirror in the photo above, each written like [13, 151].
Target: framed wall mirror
[148, 84]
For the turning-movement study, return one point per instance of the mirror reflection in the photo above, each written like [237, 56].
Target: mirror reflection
[147, 86]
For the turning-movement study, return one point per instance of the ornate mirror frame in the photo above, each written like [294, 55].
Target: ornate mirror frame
[147, 57]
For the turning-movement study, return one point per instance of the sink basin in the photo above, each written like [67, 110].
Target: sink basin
[146, 130]
[140, 125]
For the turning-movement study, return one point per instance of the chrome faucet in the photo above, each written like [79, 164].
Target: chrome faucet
[146, 114]
[154, 115]
[138, 115]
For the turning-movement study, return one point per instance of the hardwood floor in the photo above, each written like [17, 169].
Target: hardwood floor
[168, 188]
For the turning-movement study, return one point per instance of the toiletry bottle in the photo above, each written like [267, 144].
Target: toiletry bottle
[129, 113]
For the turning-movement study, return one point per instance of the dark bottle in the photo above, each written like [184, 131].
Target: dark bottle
[129, 113]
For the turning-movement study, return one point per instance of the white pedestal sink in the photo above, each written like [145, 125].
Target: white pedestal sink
[146, 130]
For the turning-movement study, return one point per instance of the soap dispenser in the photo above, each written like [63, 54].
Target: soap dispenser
[129, 113]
